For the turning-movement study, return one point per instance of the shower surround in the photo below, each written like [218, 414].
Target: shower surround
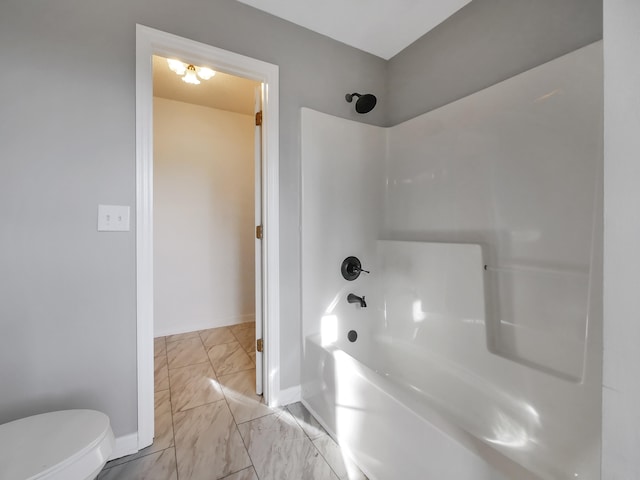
[478, 355]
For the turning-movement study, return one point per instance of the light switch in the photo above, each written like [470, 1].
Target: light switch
[113, 218]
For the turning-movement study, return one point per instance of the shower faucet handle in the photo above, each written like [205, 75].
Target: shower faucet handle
[352, 268]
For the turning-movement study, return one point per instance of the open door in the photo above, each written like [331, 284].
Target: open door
[259, 251]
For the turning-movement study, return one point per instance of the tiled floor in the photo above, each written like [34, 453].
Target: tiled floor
[210, 424]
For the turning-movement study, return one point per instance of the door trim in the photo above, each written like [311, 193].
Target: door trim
[259, 252]
[149, 42]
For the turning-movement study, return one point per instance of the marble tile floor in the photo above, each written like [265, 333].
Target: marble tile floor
[210, 424]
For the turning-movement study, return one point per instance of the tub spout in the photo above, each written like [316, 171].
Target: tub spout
[351, 298]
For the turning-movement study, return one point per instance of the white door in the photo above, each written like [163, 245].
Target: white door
[259, 227]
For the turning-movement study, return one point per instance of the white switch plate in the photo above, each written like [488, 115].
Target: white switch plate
[113, 218]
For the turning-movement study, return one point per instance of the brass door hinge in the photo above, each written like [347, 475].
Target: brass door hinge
[259, 345]
[258, 118]
[259, 232]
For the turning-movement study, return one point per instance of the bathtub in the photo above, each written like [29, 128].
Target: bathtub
[420, 394]
[387, 429]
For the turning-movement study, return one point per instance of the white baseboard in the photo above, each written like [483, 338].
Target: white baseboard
[125, 445]
[196, 325]
[290, 395]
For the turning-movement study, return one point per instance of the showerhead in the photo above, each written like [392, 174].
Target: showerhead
[364, 104]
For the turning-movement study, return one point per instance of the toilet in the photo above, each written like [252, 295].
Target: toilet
[63, 445]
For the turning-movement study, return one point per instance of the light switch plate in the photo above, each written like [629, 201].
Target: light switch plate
[113, 218]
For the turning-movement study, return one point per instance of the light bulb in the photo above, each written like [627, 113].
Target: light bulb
[205, 73]
[190, 76]
[176, 66]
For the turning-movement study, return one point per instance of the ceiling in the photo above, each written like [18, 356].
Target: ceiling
[380, 27]
[223, 91]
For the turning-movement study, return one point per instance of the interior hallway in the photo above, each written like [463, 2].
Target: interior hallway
[210, 424]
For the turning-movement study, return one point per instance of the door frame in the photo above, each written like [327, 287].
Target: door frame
[150, 42]
[258, 245]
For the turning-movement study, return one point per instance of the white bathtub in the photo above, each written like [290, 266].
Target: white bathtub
[420, 395]
[389, 431]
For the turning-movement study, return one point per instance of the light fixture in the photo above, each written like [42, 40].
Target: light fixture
[205, 73]
[189, 72]
[190, 76]
[177, 66]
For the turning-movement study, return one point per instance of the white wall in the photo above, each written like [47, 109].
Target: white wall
[203, 217]
[621, 382]
[516, 168]
[342, 204]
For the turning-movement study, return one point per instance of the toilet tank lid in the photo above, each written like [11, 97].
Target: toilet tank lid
[34, 445]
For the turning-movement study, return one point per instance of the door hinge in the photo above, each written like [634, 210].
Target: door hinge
[259, 345]
[258, 118]
[259, 232]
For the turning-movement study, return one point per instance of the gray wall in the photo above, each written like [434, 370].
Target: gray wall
[621, 381]
[482, 44]
[67, 143]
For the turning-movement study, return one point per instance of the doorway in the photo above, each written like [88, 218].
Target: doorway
[206, 202]
[151, 42]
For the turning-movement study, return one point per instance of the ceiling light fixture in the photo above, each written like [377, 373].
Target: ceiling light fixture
[189, 72]
[190, 76]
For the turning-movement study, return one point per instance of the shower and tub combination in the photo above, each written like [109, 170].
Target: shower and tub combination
[471, 347]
